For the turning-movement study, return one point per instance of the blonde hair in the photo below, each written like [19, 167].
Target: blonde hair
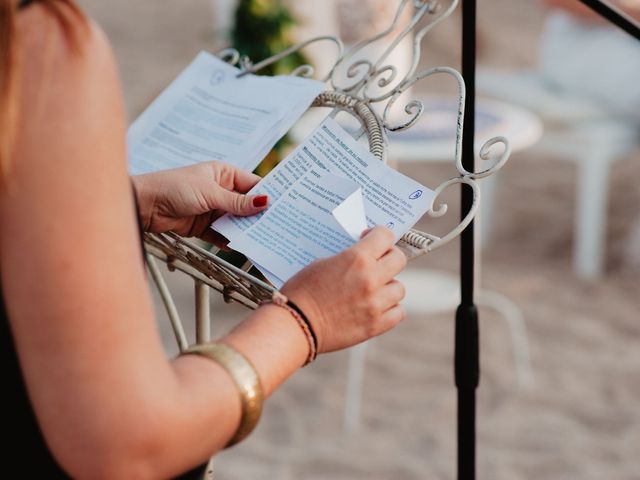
[69, 17]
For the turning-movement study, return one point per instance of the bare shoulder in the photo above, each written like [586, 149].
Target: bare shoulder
[66, 64]
[71, 125]
[60, 33]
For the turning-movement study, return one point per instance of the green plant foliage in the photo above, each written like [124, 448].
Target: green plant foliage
[262, 28]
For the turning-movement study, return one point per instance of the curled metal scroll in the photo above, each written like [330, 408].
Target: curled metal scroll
[304, 70]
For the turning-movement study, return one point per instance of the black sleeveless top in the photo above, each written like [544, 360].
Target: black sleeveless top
[26, 438]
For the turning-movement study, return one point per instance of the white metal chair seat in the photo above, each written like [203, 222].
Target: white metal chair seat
[585, 133]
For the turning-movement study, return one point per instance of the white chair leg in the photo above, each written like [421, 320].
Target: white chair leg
[494, 300]
[167, 299]
[485, 219]
[355, 382]
[518, 330]
[203, 312]
[591, 211]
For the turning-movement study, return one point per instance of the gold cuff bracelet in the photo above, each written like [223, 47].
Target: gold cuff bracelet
[246, 379]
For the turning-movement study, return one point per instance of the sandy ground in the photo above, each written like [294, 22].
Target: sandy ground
[578, 419]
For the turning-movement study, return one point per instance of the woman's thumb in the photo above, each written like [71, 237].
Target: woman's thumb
[241, 204]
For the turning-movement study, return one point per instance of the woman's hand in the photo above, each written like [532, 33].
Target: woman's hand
[352, 296]
[187, 200]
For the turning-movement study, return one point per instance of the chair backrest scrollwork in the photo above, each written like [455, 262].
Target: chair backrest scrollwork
[361, 87]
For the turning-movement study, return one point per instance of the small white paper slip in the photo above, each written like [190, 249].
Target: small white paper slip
[207, 113]
[351, 215]
[300, 226]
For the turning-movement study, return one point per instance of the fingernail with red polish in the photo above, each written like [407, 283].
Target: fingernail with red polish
[260, 200]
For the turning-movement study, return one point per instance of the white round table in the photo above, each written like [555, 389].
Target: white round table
[432, 138]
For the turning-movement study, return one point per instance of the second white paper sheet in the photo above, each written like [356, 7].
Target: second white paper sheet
[207, 113]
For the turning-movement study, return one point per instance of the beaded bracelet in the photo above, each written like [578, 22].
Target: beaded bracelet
[281, 300]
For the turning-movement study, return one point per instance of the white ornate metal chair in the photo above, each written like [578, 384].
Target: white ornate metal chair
[355, 86]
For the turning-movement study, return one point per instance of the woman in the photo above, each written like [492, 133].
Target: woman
[87, 378]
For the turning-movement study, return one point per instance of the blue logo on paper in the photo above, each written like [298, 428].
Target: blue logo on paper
[415, 195]
[217, 77]
[390, 225]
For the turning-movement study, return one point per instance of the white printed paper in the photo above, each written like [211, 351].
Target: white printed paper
[318, 197]
[208, 113]
[300, 227]
[390, 198]
[351, 215]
